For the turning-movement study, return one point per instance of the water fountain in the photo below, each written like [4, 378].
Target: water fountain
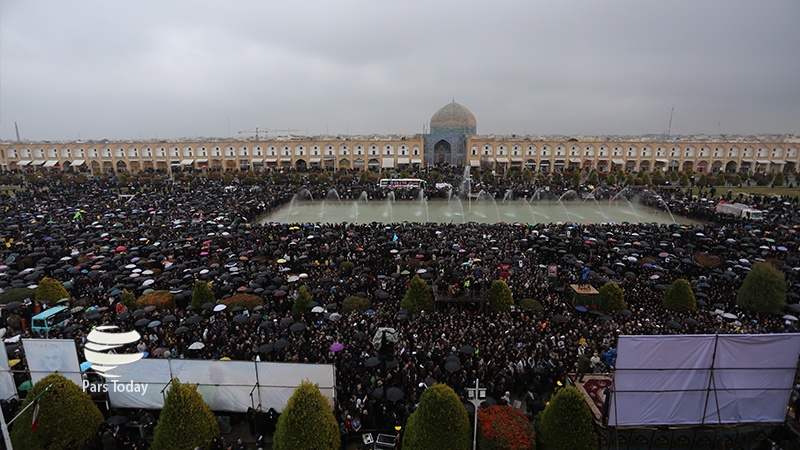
[465, 187]
[599, 208]
[485, 196]
[390, 199]
[423, 202]
[570, 194]
[623, 193]
[508, 196]
[300, 195]
[363, 197]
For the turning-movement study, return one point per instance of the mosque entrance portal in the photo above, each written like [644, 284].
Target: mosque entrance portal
[442, 152]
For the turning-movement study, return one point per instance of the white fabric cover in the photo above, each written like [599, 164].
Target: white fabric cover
[224, 385]
[46, 356]
[703, 379]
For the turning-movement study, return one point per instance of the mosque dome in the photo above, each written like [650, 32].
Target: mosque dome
[453, 119]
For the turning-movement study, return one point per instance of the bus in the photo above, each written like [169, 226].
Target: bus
[49, 318]
[402, 183]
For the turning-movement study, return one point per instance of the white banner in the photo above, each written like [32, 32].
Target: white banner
[7, 387]
[46, 356]
[224, 385]
[703, 379]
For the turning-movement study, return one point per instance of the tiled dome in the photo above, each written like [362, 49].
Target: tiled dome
[453, 119]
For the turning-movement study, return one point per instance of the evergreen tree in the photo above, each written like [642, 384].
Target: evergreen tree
[67, 416]
[128, 299]
[779, 180]
[500, 298]
[721, 181]
[763, 289]
[703, 181]
[186, 421]
[307, 422]
[684, 180]
[737, 180]
[202, 294]
[611, 179]
[439, 422]
[418, 296]
[576, 178]
[593, 178]
[646, 179]
[612, 298]
[301, 301]
[566, 423]
[679, 297]
[50, 291]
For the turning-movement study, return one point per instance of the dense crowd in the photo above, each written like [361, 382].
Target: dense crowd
[98, 244]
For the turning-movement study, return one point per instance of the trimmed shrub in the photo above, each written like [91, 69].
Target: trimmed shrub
[186, 421]
[128, 299]
[246, 301]
[418, 296]
[301, 302]
[202, 294]
[50, 291]
[307, 422]
[679, 297]
[346, 267]
[353, 303]
[440, 421]
[17, 295]
[67, 416]
[160, 299]
[763, 289]
[531, 304]
[504, 428]
[612, 298]
[500, 298]
[567, 422]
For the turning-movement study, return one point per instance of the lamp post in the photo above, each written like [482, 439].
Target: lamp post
[476, 395]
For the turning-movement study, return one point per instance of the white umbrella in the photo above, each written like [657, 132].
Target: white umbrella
[148, 282]
[318, 309]
[789, 317]
[729, 316]
[220, 307]
[335, 316]
[197, 346]
[293, 278]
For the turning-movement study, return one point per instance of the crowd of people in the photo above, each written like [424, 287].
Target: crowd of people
[98, 244]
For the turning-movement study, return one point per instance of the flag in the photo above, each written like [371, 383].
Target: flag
[35, 421]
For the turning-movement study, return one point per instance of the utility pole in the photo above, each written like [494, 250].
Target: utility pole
[476, 395]
[669, 130]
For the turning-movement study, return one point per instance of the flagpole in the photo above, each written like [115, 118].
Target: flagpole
[6, 436]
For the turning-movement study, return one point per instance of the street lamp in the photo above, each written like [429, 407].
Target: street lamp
[476, 396]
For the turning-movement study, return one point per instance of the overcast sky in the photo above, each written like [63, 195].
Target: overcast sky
[170, 69]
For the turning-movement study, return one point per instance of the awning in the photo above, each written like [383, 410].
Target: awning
[51, 163]
[762, 161]
[416, 161]
[23, 163]
[402, 160]
[187, 162]
[37, 162]
[387, 162]
[516, 160]
[271, 160]
[665, 161]
[618, 162]
[255, 160]
[315, 160]
[286, 159]
[575, 160]
[501, 160]
[78, 162]
[205, 160]
[778, 161]
[475, 163]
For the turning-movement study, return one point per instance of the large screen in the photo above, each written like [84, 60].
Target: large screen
[46, 356]
[703, 379]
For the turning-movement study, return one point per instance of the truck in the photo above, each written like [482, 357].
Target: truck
[740, 210]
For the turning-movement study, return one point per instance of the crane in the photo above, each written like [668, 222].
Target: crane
[266, 130]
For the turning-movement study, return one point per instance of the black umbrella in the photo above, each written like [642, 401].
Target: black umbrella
[195, 319]
[139, 313]
[452, 366]
[123, 315]
[674, 325]
[117, 420]
[689, 321]
[12, 305]
[558, 318]
[180, 330]
[394, 394]
[241, 318]
[142, 322]
[168, 319]
[266, 349]
[372, 362]
[466, 349]
[626, 312]
[287, 321]
[208, 305]
[297, 326]
[281, 343]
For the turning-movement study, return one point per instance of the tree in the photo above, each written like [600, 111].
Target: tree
[593, 178]
[50, 291]
[202, 294]
[186, 421]
[567, 422]
[67, 416]
[703, 181]
[779, 179]
[301, 301]
[504, 428]
[684, 180]
[307, 422]
[500, 298]
[611, 179]
[418, 296]
[612, 298]
[576, 178]
[721, 179]
[353, 303]
[440, 421]
[646, 179]
[763, 289]
[128, 299]
[679, 297]
[527, 175]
